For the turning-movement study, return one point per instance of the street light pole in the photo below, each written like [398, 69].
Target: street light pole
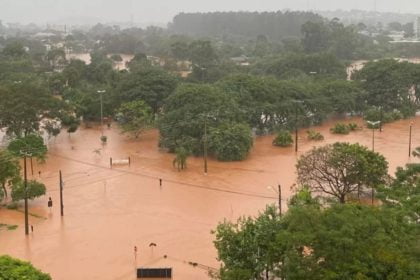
[373, 124]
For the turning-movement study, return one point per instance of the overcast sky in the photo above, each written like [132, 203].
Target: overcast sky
[146, 11]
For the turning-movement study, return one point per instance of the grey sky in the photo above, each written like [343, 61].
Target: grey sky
[41, 11]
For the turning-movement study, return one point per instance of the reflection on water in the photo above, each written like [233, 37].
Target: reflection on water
[109, 211]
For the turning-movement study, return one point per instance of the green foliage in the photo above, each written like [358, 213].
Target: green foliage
[311, 242]
[230, 141]
[9, 171]
[180, 160]
[340, 128]
[387, 84]
[104, 139]
[404, 192]
[24, 104]
[353, 126]
[314, 135]
[246, 247]
[375, 114]
[152, 85]
[31, 145]
[134, 117]
[186, 112]
[283, 139]
[341, 169]
[34, 190]
[13, 269]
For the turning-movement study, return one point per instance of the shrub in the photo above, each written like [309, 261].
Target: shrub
[283, 139]
[340, 128]
[315, 135]
[230, 141]
[353, 126]
[16, 269]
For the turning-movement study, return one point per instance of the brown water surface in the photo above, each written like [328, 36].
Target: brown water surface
[109, 211]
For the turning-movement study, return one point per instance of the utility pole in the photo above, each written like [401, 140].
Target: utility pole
[205, 146]
[279, 186]
[26, 196]
[409, 141]
[61, 195]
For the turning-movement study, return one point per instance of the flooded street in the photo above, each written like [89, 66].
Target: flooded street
[109, 211]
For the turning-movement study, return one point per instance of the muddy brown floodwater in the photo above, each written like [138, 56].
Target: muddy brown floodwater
[109, 211]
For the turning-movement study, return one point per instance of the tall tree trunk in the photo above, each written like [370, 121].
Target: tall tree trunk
[4, 189]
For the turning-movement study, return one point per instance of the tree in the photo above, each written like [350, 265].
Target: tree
[180, 160]
[283, 139]
[9, 171]
[341, 169]
[344, 241]
[31, 145]
[246, 247]
[202, 53]
[13, 269]
[34, 190]
[134, 117]
[404, 192]
[231, 141]
[187, 111]
[315, 37]
[152, 85]
[24, 104]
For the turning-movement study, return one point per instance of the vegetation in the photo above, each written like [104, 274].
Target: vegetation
[230, 142]
[134, 117]
[340, 128]
[341, 169]
[34, 190]
[180, 160]
[9, 172]
[283, 139]
[315, 135]
[13, 269]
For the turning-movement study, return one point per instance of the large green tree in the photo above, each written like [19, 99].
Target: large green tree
[24, 104]
[340, 169]
[152, 85]
[134, 117]
[189, 110]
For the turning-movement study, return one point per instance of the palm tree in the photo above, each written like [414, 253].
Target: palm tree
[180, 161]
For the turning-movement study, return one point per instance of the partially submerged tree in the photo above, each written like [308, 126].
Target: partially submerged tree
[34, 189]
[31, 146]
[341, 169]
[134, 117]
[180, 160]
[9, 171]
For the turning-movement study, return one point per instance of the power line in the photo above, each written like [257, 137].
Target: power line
[209, 188]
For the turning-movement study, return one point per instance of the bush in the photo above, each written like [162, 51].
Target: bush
[353, 126]
[340, 128]
[315, 135]
[35, 189]
[283, 139]
[231, 141]
[16, 269]
[104, 139]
